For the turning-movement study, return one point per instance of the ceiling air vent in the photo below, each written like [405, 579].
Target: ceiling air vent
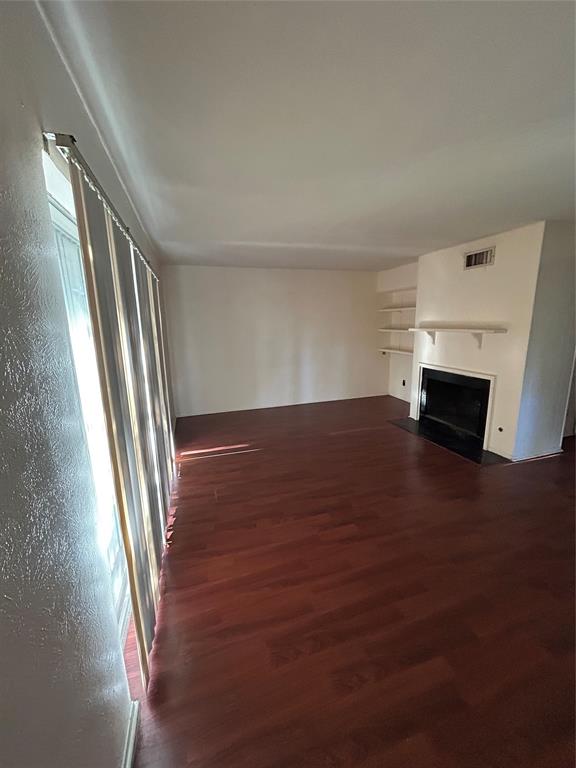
[479, 258]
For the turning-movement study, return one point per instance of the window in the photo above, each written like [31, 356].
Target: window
[84, 357]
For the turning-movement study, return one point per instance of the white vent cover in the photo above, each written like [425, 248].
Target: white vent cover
[479, 258]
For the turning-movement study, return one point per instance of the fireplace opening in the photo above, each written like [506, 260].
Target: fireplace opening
[451, 401]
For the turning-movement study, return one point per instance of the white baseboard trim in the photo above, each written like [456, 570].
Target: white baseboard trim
[539, 458]
[131, 734]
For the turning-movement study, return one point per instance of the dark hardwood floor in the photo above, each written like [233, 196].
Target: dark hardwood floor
[338, 592]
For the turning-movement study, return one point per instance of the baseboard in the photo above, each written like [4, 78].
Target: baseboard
[131, 734]
[538, 458]
[287, 405]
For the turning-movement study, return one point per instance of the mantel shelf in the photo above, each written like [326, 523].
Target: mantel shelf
[478, 333]
[395, 330]
[396, 309]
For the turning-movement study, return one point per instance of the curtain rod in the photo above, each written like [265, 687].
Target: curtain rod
[69, 149]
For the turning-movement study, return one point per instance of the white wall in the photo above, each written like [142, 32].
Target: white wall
[398, 278]
[254, 338]
[502, 294]
[64, 698]
[570, 422]
[400, 377]
[550, 354]
[398, 373]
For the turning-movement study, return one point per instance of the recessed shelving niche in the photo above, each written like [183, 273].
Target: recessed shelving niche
[398, 307]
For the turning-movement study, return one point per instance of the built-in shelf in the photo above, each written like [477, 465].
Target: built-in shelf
[398, 290]
[406, 302]
[396, 309]
[393, 351]
[478, 333]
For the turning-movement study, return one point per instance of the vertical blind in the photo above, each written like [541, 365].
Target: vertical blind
[125, 311]
[87, 380]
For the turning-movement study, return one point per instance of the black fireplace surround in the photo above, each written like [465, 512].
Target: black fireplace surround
[452, 413]
[455, 402]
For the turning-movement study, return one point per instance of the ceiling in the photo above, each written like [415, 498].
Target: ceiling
[344, 135]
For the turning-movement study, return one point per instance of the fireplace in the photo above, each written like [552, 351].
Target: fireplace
[453, 410]
[455, 403]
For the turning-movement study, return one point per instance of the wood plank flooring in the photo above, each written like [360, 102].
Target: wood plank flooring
[338, 592]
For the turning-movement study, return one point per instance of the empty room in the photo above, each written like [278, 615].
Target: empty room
[287, 408]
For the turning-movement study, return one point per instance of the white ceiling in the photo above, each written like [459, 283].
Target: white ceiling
[329, 134]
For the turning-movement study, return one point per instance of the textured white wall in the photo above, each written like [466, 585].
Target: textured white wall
[502, 294]
[254, 338]
[64, 699]
[550, 354]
